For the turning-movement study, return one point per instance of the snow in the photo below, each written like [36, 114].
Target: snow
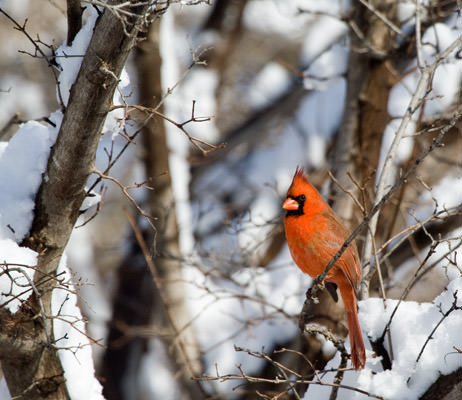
[24, 160]
[322, 34]
[275, 17]
[449, 75]
[445, 195]
[405, 11]
[161, 384]
[70, 57]
[268, 84]
[444, 85]
[320, 114]
[220, 300]
[213, 302]
[20, 263]
[204, 107]
[328, 68]
[94, 301]
[16, 95]
[403, 151]
[444, 91]
[74, 348]
[411, 326]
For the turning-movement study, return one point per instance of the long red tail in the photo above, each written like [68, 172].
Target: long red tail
[358, 352]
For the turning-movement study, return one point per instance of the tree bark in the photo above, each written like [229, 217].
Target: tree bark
[446, 387]
[36, 373]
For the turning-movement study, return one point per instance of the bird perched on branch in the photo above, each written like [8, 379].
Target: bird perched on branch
[315, 233]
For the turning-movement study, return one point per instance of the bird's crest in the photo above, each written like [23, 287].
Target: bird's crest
[300, 172]
[300, 181]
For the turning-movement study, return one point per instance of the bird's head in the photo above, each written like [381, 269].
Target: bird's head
[302, 197]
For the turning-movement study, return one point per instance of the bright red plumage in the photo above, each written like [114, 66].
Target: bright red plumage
[314, 234]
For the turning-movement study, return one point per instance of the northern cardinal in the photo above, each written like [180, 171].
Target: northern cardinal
[314, 234]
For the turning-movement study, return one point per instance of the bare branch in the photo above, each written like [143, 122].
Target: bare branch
[414, 104]
[383, 18]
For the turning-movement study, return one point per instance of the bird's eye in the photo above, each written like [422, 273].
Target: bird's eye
[302, 197]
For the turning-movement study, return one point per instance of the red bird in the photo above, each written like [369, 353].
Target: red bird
[314, 234]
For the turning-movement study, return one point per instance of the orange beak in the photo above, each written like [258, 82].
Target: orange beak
[290, 204]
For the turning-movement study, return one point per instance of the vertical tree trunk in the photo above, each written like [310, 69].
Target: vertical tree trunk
[35, 371]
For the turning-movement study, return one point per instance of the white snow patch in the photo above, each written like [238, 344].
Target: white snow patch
[74, 346]
[446, 194]
[268, 84]
[70, 57]
[20, 263]
[411, 326]
[23, 159]
[327, 69]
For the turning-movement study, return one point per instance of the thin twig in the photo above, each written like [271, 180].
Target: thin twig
[50, 59]
[453, 307]
[124, 189]
[383, 18]
[278, 381]
[406, 291]
[203, 146]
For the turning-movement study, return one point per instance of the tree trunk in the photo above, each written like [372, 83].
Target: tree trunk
[35, 372]
[446, 387]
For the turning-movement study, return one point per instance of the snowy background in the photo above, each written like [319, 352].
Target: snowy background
[238, 292]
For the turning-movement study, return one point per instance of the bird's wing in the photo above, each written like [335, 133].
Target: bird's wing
[349, 261]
